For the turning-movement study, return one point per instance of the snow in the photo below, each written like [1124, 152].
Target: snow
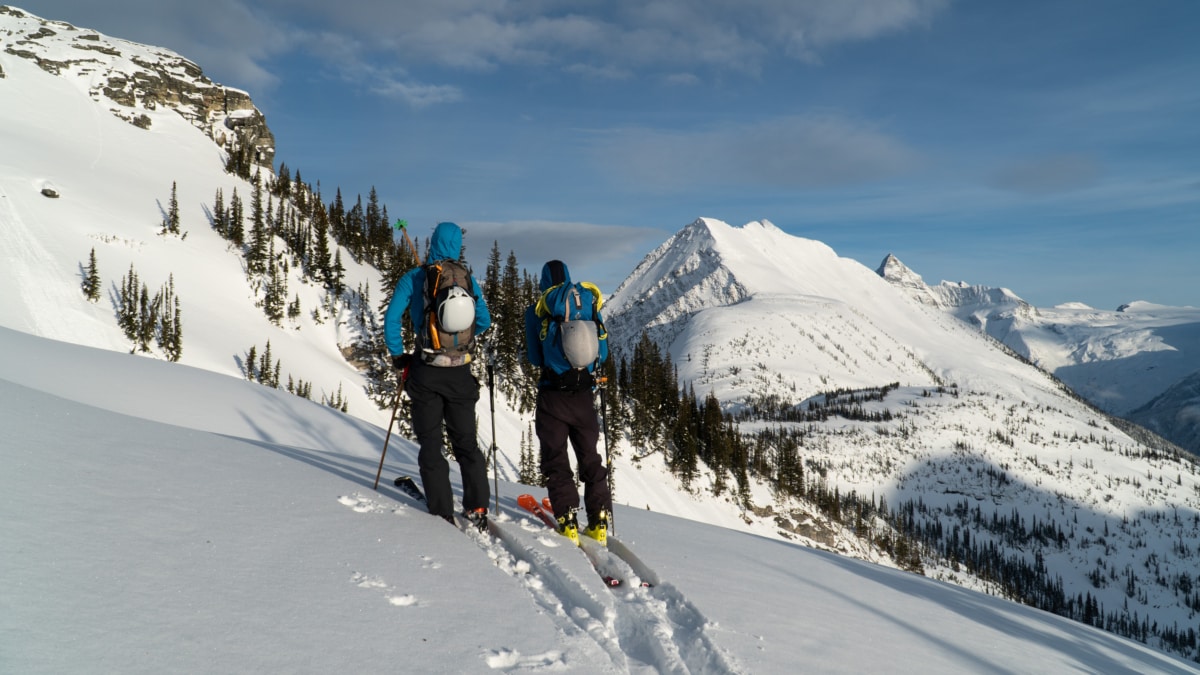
[174, 517]
[160, 518]
[1117, 359]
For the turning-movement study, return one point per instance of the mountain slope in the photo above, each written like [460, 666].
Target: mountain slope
[1118, 360]
[747, 313]
[115, 179]
[137, 545]
[999, 472]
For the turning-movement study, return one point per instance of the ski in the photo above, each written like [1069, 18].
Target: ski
[648, 577]
[409, 487]
[530, 504]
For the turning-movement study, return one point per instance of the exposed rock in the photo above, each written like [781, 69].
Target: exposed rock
[141, 78]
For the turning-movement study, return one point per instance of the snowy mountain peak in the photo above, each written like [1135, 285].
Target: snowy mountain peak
[710, 263]
[899, 275]
[717, 298]
[132, 80]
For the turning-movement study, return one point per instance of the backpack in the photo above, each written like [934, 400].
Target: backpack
[571, 333]
[448, 331]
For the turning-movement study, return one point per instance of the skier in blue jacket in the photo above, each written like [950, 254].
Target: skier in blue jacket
[566, 409]
[441, 386]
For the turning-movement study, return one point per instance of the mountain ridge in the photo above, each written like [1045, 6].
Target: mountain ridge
[889, 406]
[1120, 360]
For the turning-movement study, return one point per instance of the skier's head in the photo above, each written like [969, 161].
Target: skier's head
[554, 273]
[446, 242]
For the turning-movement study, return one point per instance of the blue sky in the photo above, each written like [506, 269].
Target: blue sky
[1048, 146]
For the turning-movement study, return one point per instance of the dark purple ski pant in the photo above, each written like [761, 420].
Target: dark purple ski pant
[447, 395]
[563, 416]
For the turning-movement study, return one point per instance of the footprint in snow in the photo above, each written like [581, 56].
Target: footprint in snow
[360, 504]
[506, 659]
[364, 581]
[375, 583]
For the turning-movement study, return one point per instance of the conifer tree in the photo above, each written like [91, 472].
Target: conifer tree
[170, 224]
[373, 224]
[174, 347]
[528, 393]
[491, 277]
[714, 447]
[220, 218]
[127, 305]
[300, 194]
[529, 470]
[236, 223]
[251, 362]
[320, 262]
[283, 184]
[91, 279]
[684, 442]
[355, 230]
[384, 239]
[337, 283]
[256, 253]
[264, 369]
[275, 290]
[509, 325]
[293, 310]
[337, 218]
[147, 318]
[169, 331]
[402, 260]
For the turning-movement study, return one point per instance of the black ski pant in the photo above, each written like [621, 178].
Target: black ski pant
[447, 395]
[563, 416]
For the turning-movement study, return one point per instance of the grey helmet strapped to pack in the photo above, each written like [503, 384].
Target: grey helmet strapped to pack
[571, 329]
[580, 337]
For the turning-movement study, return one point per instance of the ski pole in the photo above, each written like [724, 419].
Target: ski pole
[612, 519]
[391, 423]
[491, 376]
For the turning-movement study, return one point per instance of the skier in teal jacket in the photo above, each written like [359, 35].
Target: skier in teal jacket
[442, 388]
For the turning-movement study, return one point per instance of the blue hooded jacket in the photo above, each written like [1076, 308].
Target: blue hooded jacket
[445, 244]
[554, 284]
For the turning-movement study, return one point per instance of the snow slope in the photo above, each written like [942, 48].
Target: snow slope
[115, 180]
[989, 457]
[1118, 359]
[831, 324]
[155, 528]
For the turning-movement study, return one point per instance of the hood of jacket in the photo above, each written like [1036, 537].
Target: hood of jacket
[446, 242]
[554, 273]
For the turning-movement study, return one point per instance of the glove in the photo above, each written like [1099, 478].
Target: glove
[401, 361]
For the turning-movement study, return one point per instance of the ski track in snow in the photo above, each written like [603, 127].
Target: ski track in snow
[654, 629]
[640, 629]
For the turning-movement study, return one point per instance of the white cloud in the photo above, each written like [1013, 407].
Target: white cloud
[231, 40]
[603, 254]
[1048, 175]
[790, 152]
[238, 38]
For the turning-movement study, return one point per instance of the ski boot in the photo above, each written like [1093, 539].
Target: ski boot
[568, 526]
[598, 528]
[478, 518]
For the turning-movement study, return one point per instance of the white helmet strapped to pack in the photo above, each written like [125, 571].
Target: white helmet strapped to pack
[457, 312]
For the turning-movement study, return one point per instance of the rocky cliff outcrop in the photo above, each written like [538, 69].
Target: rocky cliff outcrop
[131, 79]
